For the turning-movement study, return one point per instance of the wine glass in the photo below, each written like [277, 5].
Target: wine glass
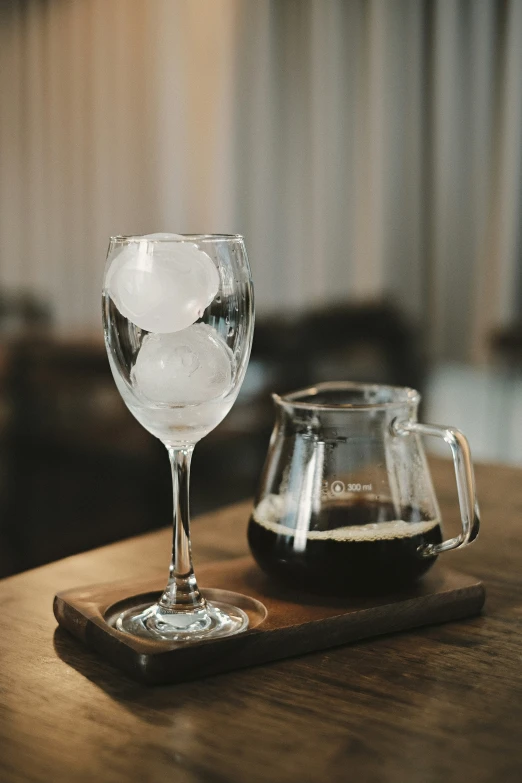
[178, 314]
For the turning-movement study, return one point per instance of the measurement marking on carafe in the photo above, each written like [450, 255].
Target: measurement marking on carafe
[338, 487]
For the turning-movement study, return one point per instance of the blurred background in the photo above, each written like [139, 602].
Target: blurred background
[369, 150]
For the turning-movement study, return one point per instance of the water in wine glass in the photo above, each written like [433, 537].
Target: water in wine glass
[178, 318]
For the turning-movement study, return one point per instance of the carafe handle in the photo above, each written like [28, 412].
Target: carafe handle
[460, 451]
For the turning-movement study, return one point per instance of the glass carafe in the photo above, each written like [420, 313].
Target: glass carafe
[346, 502]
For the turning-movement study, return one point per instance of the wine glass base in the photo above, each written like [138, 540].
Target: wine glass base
[154, 622]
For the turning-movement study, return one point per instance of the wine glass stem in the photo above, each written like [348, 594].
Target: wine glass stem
[182, 592]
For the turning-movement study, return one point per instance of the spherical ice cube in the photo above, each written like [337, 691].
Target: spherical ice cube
[183, 368]
[162, 286]
[163, 235]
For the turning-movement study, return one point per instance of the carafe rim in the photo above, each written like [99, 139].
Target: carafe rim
[385, 396]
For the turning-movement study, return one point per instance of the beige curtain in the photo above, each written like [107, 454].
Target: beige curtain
[366, 149]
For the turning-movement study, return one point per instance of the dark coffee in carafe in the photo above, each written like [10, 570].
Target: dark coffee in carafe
[362, 546]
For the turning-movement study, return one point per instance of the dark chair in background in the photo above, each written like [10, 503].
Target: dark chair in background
[371, 343]
[80, 471]
[20, 314]
[507, 345]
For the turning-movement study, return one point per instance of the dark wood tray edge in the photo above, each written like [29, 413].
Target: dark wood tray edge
[260, 645]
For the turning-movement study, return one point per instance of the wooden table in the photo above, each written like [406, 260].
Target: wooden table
[437, 704]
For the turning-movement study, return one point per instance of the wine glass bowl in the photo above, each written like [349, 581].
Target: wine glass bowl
[165, 382]
[178, 322]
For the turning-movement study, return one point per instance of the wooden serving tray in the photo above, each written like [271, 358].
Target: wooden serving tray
[282, 623]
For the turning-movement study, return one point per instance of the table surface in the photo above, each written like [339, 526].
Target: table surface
[442, 703]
